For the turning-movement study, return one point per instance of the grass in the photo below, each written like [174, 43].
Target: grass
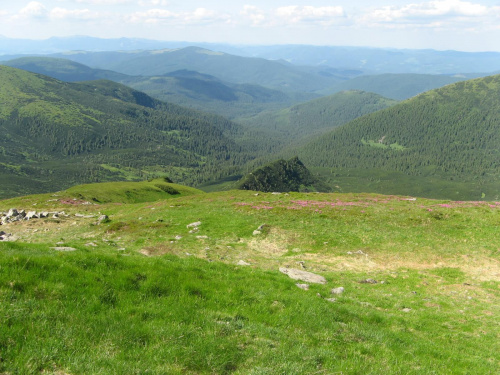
[141, 294]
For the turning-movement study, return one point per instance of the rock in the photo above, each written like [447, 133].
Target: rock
[330, 299]
[31, 215]
[303, 275]
[303, 286]
[63, 248]
[194, 230]
[12, 213]
[406, 309]
[178, 237]
[276, 193]
[202, 237]
[93, 244]
[44, 214]
[259, 230]
[196, 224]
[368, 281]
[338, 290]
[102, 219]
[243, 263]
[84, 216]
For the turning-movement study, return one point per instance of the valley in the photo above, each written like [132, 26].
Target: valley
[221, 209]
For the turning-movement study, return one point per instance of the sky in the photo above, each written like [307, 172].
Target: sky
[438, 24]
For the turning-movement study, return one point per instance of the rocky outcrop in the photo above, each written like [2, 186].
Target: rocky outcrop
[13, 215]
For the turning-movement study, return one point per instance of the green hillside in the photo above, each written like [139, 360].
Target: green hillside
[183, 87]
[63, 69]
[282, 176]
[396, 86]
[196, 285]
[56, 134]
[207, 93]
[448, 139]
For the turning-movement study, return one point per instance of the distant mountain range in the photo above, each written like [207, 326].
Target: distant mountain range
[369, 60]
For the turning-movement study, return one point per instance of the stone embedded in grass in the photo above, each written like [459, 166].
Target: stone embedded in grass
[303, 275]
[196, 224]
[63, 248]
[368, 281]
[338, 290]
[331, 299]
[243, 263]
[303, 286]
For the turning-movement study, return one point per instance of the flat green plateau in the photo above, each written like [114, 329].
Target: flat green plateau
[143, 293]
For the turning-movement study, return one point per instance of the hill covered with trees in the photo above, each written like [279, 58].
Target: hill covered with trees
[56, 134]
[451, 134]
[282, 176]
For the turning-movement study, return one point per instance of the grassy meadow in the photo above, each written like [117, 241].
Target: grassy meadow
[143, 293]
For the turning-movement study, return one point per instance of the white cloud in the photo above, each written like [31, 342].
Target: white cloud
[103, 2]
[430, 14]
[76, 14]
[256, 16]
[34, 10]
[153, 3]
[309, 14]
[198, 16]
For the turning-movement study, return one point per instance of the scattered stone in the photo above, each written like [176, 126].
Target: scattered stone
[178, 237]
[196, 224]
[194, 230]
[243, 263]
[303, 286]
[331, 299]
[202, 237]
[102, 219]
[406, 309]
[368, 281]
[303, 275]
[275, 193]
[259, 230]
[63, 248]
[84, 216]
[93, 244]
[338, 290]
[302, 264]
[44, 214]
[60, 243]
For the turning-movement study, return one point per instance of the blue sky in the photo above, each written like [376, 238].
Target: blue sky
[438, 24]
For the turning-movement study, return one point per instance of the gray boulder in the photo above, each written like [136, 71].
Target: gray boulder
[303, 275]
[338, 290]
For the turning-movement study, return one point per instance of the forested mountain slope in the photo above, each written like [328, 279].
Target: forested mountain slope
[63, 69]
[451, 134]
[56, 134]
[314, 117]
[183, 87]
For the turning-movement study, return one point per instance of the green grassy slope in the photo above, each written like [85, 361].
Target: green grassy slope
[144, 293]
[448, 139]
[56, 134]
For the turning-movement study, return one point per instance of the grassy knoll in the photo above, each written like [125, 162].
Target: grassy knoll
[143, 293]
